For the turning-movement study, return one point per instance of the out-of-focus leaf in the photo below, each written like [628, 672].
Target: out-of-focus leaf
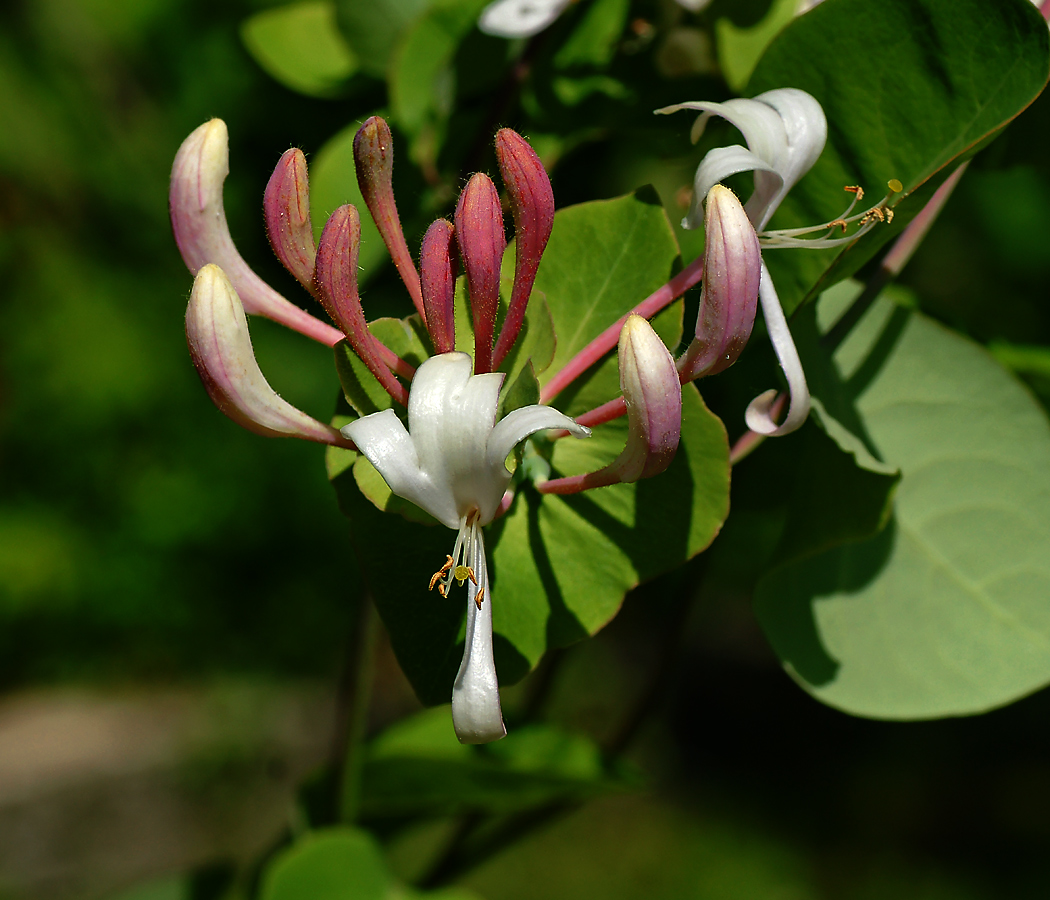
[739, 49]
[594, 40]
[940, 78]
[333, 182]
[330, 864]
[422, 79]
[301, 47]
[944, 612]
[418, 768]
[373, 27]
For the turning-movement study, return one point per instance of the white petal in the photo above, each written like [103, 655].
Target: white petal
[519, 424]
[476, 713]
[450, 416]
[519, 18]
[806, 132]
[759, 123]
[718, 165]
[384, 441]
[757, 415]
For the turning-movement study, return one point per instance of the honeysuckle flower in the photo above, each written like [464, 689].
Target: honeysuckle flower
[652, 393]
[524, 18]
[785, 131]
[221, 349]
[451, 462]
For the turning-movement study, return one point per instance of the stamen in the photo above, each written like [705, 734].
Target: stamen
[437, 576]
[479, 597]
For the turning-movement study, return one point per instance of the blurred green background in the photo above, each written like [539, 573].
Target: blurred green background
[148, 545]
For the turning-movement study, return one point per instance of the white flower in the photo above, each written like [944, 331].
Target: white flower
[451, 462]
[524, 18]
[785, 131]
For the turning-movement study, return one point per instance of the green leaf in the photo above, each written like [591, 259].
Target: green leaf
[301, 47]
[910, 88]
[418, 768]
[594, 41]
[330, 864]
[739, 49]
[373, 28]
[422, 79]
[603, 258]
[360, 387]
[333, 182]
[944, 612]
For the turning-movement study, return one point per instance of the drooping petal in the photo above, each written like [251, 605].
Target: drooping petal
[198, 220]
[717, 166]
[382, 438]
[519, 18]
[523, 422]
[476, 713]
[758, 414]
[217, 335]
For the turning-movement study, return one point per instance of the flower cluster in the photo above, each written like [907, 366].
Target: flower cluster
[448, 454]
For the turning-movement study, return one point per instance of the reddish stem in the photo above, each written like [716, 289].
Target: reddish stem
[607, 340]
[574, 484]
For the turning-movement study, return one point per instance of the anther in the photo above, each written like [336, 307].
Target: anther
[479, 597]
[855, 189]
[436, 577]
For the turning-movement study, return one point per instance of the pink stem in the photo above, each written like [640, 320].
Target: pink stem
[607, 340]
[574, 484]
[1044, 9]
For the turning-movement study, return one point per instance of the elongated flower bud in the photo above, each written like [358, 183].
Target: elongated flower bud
[286, 206]
[653, 392]
[217, 334]
[532, 203]
[653, 395]
[374, 160]
[199, 222]
[439, 286]
[479, 231]
[335, 277]
[729, 298]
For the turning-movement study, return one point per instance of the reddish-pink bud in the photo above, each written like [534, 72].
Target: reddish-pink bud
[479, 231]
[729, 299]
[374, 160]
[439, 286]
[532, 203]
[335, 278]
[286, 206]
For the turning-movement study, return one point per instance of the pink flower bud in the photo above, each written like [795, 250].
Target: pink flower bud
[532, 203]
[653, 396]
[729, 298]
[374, 160]
[653, 392]
[335, 278]
[479, 231]
[199, 222]
[286, 206]
[217, 334]
[439, 286]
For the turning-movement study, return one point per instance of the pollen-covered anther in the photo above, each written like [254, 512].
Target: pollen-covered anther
[439, 574]
[841, 222]
[855, 189]
[480, 596]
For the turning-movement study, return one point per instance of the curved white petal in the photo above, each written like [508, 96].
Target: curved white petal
[758, 415]
[388, 446]
[519, 18]
[476, 713]
[519, 424]
[806, 132]
[718, 165]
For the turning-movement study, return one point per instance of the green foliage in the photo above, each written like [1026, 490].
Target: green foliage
[942, 612]
[330, 864]
[301, 47]
[940, 78]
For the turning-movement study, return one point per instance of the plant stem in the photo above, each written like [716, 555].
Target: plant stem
[352, 707]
